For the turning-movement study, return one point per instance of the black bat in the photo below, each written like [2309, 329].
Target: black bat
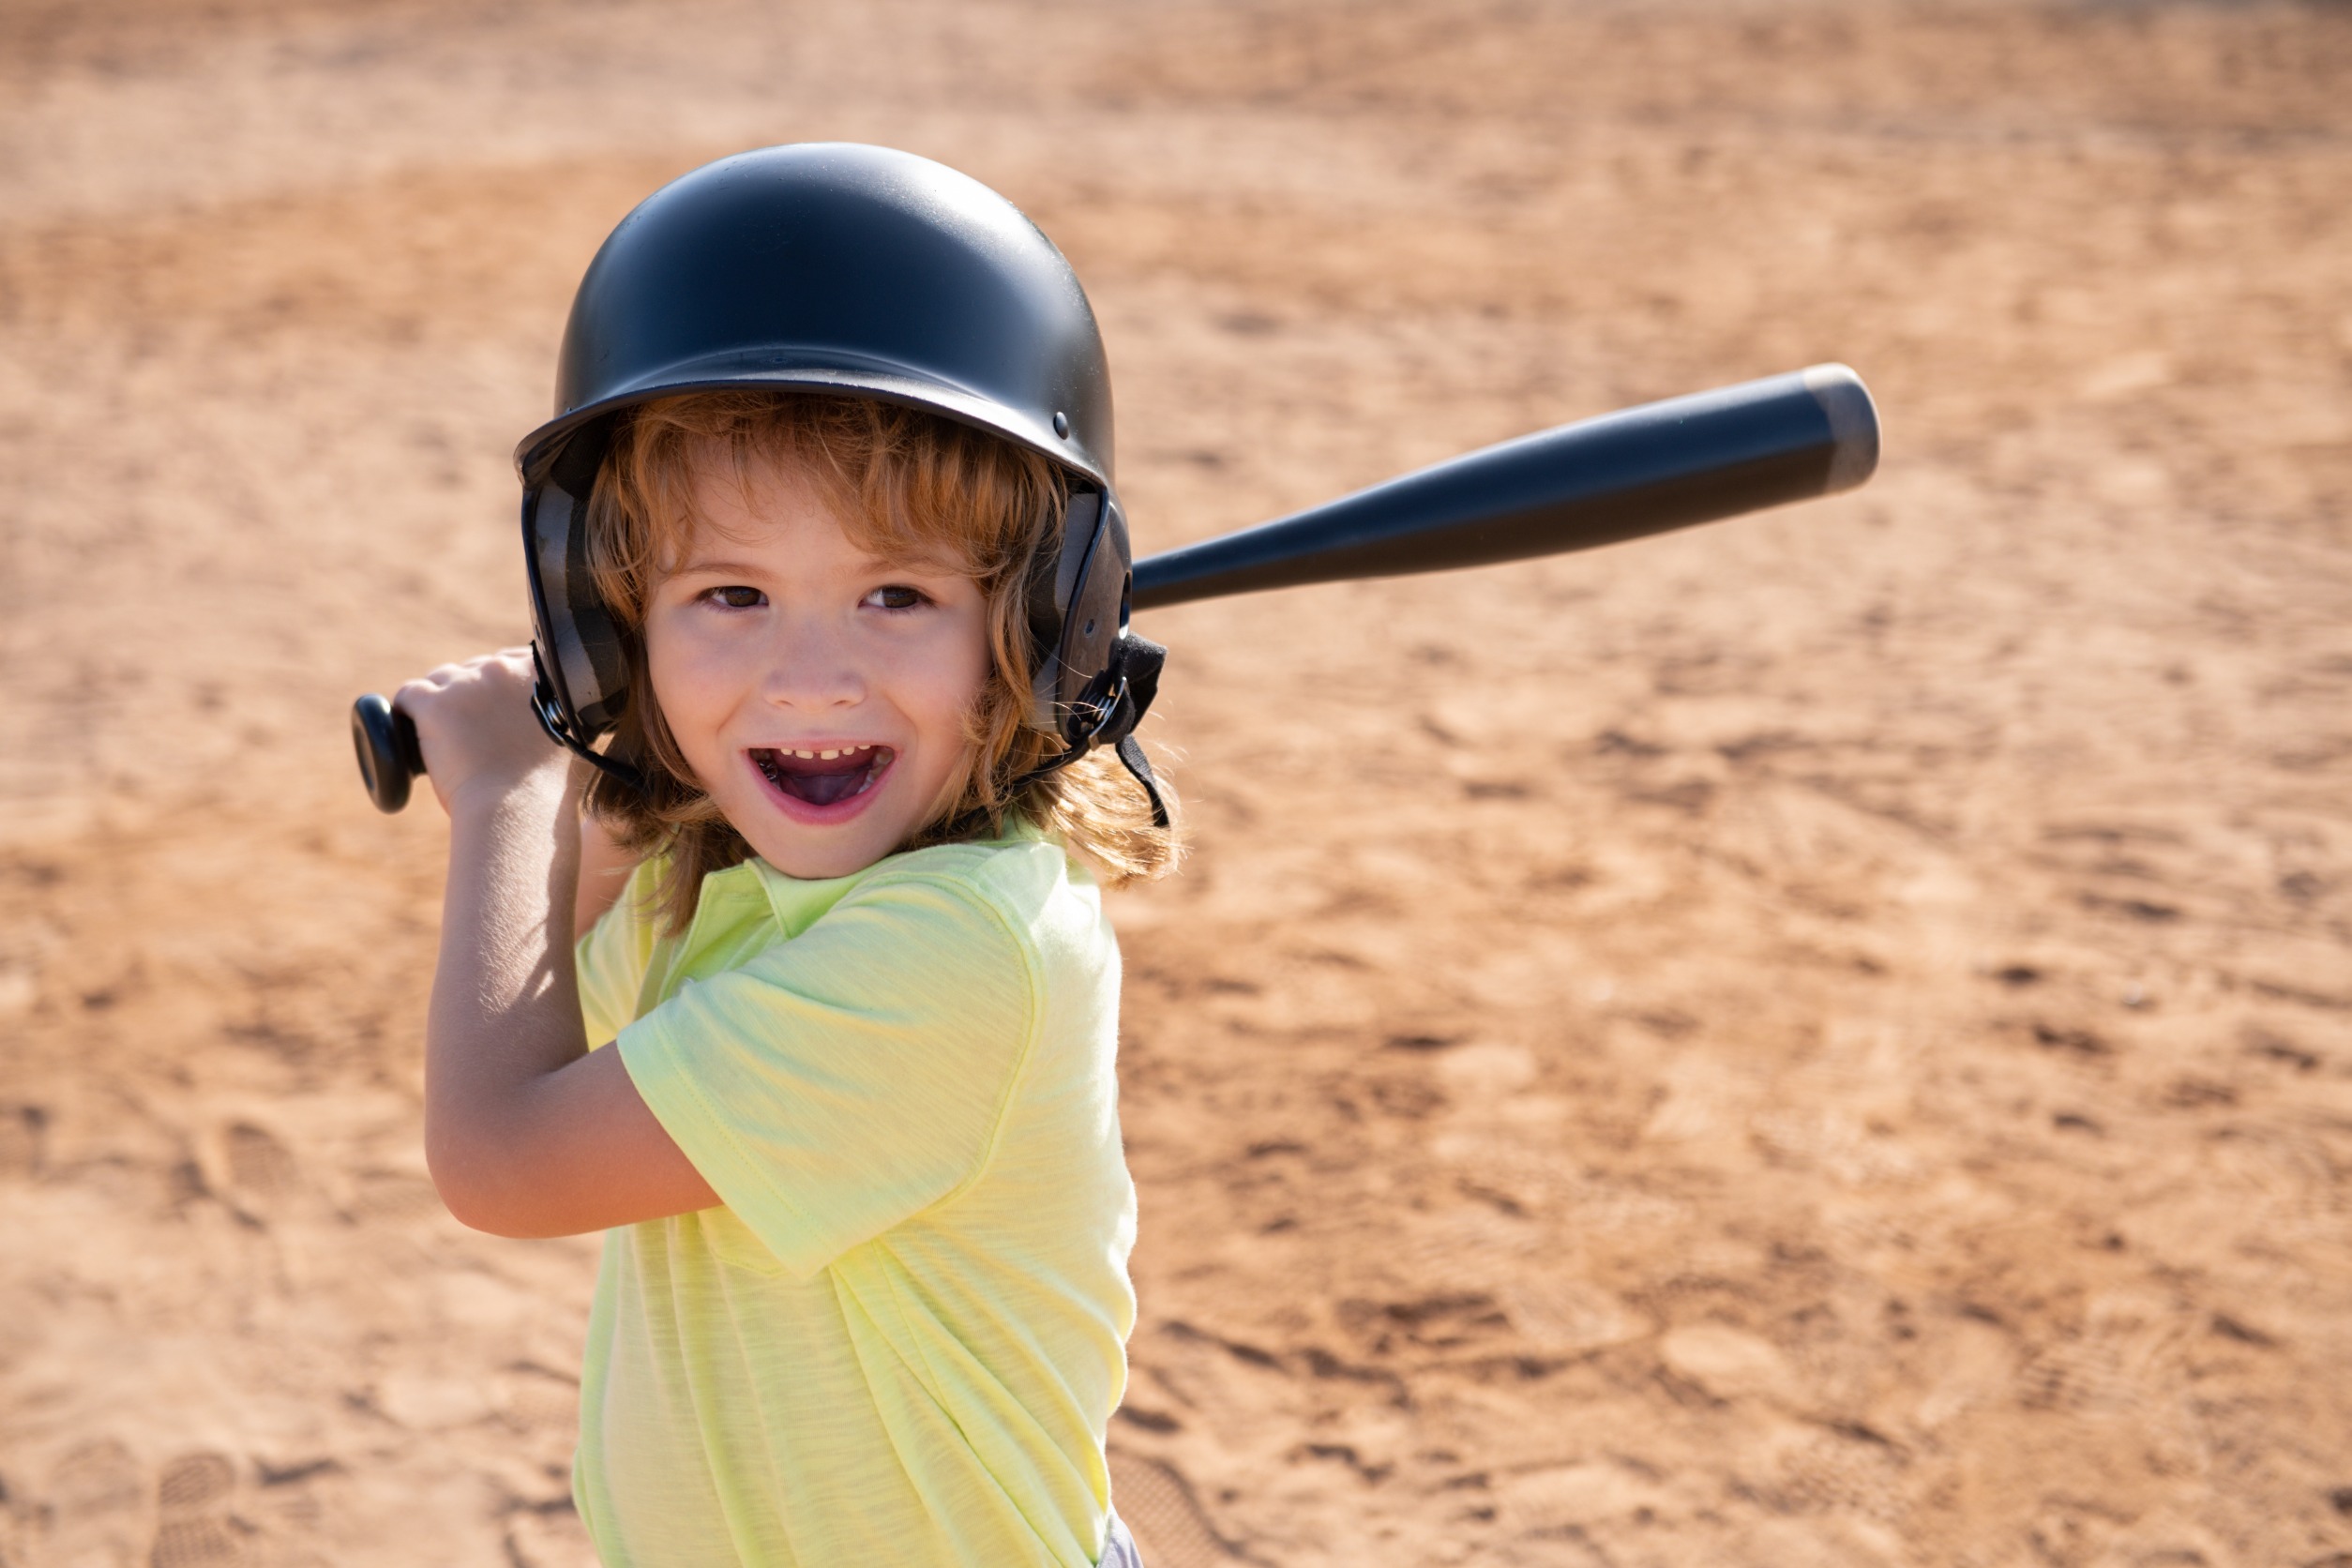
[1642, 471]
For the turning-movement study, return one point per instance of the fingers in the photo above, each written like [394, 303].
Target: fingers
[474, 719]
[496, 670]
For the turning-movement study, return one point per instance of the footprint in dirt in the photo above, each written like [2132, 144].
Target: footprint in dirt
[1162, 1512]
[192, 1527]
[262, 1175]
[258, 1164]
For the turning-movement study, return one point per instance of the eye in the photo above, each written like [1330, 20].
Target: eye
[894, 595]
[735, 597]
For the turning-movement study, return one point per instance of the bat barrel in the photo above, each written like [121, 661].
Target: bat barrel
[1640, 471]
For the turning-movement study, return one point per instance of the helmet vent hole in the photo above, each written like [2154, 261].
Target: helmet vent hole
[1090, 629]
[1061, 424]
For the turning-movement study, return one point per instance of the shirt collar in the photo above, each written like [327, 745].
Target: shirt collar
[797, 903]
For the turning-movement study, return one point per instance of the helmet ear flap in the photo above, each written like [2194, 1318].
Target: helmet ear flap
[580, 648]
[1079, 623]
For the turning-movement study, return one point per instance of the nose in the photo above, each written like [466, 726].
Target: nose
[812, 666]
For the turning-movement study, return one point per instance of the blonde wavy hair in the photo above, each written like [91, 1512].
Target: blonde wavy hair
[910, 486]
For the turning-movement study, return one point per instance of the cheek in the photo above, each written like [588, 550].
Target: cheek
[963, 664]
[935, 680]
[678, 670]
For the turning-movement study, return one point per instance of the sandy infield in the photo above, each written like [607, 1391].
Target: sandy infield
[1825, 1040]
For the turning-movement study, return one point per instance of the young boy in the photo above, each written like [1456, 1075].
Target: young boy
[830, 425]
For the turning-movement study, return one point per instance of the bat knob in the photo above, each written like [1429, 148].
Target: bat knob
[389, 756]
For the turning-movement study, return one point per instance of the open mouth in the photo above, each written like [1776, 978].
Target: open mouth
[823, 777]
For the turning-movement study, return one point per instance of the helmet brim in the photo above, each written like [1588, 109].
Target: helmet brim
[771, 370]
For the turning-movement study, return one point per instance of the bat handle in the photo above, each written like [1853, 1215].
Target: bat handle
[389, 757]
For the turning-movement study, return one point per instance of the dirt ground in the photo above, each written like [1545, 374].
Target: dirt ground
[1824, 1040]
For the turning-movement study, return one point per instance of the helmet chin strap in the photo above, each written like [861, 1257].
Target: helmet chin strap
[550, 712]
[1131, 681]
[1130, 751]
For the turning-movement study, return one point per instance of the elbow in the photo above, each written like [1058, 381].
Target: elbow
[463, 1193]
[472, 1210]
[491, 1212]
[476, 1180]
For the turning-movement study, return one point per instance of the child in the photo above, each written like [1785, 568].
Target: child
[854, 1145]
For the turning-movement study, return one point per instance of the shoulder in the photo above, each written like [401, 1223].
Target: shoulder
[622, 940]
[612, 956]
[1022, 905]
[1027, 887]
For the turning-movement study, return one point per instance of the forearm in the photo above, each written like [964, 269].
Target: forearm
[526, 1131]
[506, 1004]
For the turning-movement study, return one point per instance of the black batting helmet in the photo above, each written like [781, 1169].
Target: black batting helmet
[841, 269]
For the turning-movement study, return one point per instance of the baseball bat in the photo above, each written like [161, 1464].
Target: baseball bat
[1624, 476]
[1640, 471]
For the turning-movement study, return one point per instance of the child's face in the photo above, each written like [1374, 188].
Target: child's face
[818, 692]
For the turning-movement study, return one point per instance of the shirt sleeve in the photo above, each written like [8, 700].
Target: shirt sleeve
[609, 961]
[849, 1078]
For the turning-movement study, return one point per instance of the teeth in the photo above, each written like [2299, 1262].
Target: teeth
[827, 756]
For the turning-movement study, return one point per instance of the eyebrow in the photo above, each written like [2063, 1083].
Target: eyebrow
[723, 568]
[875, 563]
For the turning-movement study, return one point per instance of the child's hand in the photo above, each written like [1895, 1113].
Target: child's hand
[475, 727]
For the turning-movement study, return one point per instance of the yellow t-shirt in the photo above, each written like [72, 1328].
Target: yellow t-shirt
[901, 1338]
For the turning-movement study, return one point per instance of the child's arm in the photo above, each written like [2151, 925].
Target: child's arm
[526, 1132]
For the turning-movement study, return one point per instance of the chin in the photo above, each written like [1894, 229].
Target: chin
[815, 854]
